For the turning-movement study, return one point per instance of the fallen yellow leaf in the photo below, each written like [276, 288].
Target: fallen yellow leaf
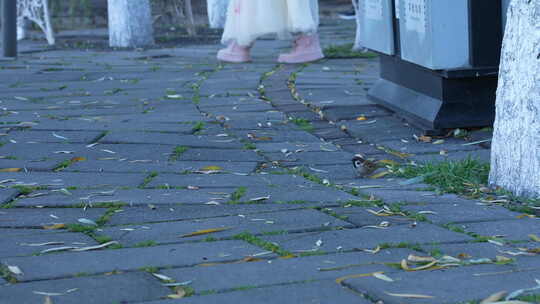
[54, 226]
[289, 256]
[10, 170]
[388, 162]
[400, 154]
[179, 293]
[361, 118]
[409, 295]
[406, 267]
[353, 276]
[78, 159]
[379, 175]
[502, 259]
[494, 297]
[205, 231]
[211, 168]
[534, 237]
[420, 259]
[425, 139]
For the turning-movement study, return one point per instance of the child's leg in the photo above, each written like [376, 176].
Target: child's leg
[303, 19]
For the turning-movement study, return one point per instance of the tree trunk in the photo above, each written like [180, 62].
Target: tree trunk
[130, 23]
[515, 156]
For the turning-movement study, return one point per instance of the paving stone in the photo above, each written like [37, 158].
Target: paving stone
[67, 179]
[6, 195]
[229, 180]
[415, 197]
[121, 288]
[132, 197]
[454, 285]
[361, 217]
[18, 242]
[508, 229]
[148, 166]
[61, 265]
[133, 215]
[382, 184]
[276, 136]
[195, 154]
[283, 271]
[311, 158]
[461, 212]
[382, 129]
[298, 195]
[171, 139]
[352, 112]
[292, 147]
[469, 250]
[366, 238]
[172, 232]
[34, 218]
[316, 292]
[482, 155]
[54, 137]
[410, 145]
[29, 165]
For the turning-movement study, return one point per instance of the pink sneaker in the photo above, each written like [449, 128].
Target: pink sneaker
[306, 48]
[234, 53]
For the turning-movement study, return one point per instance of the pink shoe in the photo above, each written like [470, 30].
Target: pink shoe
[234, 53]
[306, 48]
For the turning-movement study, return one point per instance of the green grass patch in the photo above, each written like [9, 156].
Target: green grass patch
[303, 124]
[237, 195]
[460, 177]
[177, 153]
[198, 127]
[146, 244]
[148, 179]
[346, 51]
[250, 238]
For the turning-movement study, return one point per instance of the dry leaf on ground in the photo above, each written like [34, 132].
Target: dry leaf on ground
[205, 231]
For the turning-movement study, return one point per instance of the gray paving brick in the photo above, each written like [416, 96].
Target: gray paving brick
[62, 265]
[461, 212]
[229, 180]
[133, 215]
[25, 241]
[508, 229]
[120, 288]
[7, 195]
[29, 165]
[133, 197]
[33, 218]
[318, 292]
[201, 141]
[54, 137]
[68, 179]
[366, 238]
[446, 286]
[173, 232]
[179, 167]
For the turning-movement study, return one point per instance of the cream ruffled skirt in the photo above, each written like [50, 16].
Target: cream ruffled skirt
[247, 20]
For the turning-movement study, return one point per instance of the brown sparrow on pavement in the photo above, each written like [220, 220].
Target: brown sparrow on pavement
[362, 165]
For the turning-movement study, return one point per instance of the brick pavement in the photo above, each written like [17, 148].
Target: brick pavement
[229, 184]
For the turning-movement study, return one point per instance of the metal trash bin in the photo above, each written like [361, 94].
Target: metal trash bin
[439, 59]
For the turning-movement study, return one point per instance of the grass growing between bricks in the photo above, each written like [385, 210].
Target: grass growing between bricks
[250, 238]
[460, 177]
[346, 51]
[177, 153]
[303, 124]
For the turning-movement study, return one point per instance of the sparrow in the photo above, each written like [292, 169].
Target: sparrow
[362, 165]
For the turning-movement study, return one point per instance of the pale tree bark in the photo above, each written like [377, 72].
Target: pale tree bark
[515, 156]
[130, 23]
[217, 12]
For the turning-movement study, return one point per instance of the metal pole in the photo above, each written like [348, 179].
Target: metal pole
[9, 28]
